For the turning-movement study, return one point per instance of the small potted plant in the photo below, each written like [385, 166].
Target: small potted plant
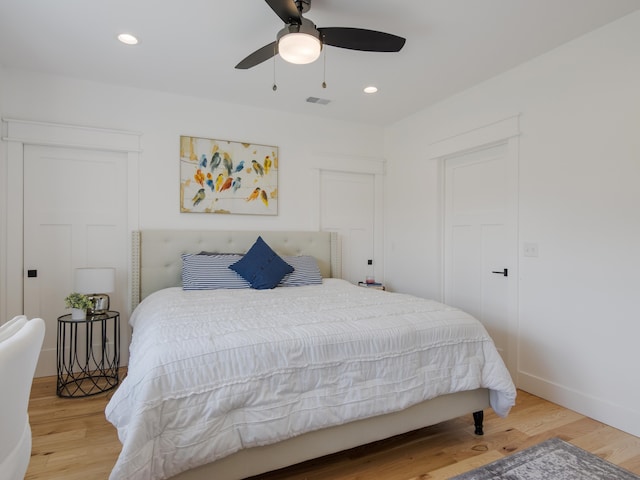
[78, 303]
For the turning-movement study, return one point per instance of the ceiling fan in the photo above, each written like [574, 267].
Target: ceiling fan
[300, 41]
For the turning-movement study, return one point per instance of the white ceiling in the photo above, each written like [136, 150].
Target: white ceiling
[191, 47]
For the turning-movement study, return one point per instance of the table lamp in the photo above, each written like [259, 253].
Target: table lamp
[95, 283]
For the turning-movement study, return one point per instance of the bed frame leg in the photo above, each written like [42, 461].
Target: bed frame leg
[478, 418]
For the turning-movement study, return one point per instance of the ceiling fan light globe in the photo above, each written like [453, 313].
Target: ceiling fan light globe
[299, 48]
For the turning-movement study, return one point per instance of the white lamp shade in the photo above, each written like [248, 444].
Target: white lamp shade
[299, 48]
[94, 280]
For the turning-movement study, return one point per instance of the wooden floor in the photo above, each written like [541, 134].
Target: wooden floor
[72, 440]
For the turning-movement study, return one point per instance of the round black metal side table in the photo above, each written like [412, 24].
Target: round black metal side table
[88, 354]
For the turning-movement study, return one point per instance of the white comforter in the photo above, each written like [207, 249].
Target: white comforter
[212, 372]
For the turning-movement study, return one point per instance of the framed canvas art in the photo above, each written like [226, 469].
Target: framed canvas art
[221, 176]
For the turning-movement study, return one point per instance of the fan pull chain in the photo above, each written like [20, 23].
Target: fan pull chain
[275, 87]
[324, 71]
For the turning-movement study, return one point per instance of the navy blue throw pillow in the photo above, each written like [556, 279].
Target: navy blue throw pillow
[261, 266]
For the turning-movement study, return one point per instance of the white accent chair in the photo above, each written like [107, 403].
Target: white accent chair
[20, 343]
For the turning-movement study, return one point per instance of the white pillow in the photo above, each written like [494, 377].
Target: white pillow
[7, 330]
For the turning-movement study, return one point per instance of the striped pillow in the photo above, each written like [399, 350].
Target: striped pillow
[306, 271]
[210, 272]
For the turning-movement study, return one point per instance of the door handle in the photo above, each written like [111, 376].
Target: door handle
[504, 272]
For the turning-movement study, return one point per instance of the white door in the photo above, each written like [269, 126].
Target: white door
[347, 206]
[480, 246]
[75, 215]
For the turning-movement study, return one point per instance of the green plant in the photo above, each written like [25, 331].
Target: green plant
[78, 300]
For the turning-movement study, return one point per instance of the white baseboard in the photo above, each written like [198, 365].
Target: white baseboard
[602, 410]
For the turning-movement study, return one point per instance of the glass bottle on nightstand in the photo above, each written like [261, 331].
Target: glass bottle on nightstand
[370, 275]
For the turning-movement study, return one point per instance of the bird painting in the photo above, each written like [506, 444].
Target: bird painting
[215, 161]
[199, 177]
[227, 184]
[267, 164]
[198, 197]
[192, 153]
[209, 181]
[254, 194]
[222, 176]
[257, 167]
[236, 184]
[227, 162]
[219, 181]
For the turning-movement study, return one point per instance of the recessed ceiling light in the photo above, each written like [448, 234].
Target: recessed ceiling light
[370, 89]
[128, 39]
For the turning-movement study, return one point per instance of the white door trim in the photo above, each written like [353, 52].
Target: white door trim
[31, 132]
[475, 138]
[19, 133]
[505, 131]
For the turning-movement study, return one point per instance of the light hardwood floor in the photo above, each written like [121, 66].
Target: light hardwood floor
[72, 440]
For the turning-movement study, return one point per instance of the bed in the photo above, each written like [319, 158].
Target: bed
[230, 383]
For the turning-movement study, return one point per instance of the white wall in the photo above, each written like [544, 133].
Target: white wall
[161, 118]
[579, 187]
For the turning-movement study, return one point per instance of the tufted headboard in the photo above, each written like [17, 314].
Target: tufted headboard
[156, 261]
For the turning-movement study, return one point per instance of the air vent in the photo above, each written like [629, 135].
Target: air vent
[321, 101]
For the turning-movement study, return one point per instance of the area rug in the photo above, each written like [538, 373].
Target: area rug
[554, 459]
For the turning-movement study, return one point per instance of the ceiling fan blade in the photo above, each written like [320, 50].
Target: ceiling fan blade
[259, 56]
[286, 10]
[361, 39]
